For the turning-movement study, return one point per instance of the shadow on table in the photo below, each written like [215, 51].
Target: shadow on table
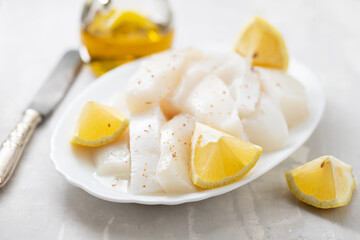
[344, 216]
[135, 221]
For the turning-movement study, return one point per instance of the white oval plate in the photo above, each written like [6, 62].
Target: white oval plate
[74, 164]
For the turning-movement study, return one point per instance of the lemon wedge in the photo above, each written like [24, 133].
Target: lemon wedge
[262, 45]
[325, 182]
[218, 158]
[98, 125]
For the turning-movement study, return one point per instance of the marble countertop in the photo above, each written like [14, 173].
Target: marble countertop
[38, 203]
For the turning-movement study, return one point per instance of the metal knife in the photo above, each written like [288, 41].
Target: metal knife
[45, 101]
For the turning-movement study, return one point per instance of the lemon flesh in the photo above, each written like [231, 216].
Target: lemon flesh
[262, 45]
[325, 182]
[98, 125]
[219, 158]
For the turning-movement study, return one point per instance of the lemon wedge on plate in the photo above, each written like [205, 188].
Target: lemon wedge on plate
[99, 124]
[262, 45]
[218, 158]
[325, 182]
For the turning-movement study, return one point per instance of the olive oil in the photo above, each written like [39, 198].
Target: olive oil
[115, 38]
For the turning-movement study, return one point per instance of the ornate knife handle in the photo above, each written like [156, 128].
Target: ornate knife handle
[13, 146]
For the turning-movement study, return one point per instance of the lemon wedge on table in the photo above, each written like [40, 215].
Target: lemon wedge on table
[98, 125]
[218, 158]
[262, 45]
[325, 182]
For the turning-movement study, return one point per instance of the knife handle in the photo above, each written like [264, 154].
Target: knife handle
[13, 146]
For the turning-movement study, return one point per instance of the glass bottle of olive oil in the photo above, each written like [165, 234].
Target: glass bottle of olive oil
[116, 32]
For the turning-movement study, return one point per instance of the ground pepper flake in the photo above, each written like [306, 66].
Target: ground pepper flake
[322, 164]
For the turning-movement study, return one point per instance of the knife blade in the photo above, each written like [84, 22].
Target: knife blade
[43, 104]
[58, 83]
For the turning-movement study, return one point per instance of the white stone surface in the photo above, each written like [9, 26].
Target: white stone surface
[39, 204]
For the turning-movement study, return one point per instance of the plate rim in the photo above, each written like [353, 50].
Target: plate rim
[181, 198]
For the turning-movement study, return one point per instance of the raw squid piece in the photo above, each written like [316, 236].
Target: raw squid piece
[114, 159]
[287, 92]
[173, 104]
[173, 169]
[267, 126]
[233, 65]
[246, 91]
[145, 151]
[157, 77]
[211, 103]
